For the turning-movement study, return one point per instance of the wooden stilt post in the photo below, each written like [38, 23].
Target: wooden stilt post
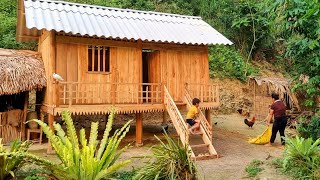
[164, 117]
[208, 116]
[139, 129]
[50, 122]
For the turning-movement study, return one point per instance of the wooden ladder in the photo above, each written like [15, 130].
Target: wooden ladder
[183, 132]
[206, 132]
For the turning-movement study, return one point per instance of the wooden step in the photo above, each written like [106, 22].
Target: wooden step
[205, 157]
[200, 133]
[200, 145]
[180, 103]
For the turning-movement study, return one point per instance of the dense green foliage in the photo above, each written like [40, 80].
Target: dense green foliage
[221, 66]
[284, 31]
[12, 159]
[302, 158]
[309, 128]
[296, 24]
[169, 161]
[8, 19]
[89, 159]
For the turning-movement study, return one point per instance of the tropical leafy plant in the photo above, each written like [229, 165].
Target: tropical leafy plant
[84, 161]
[309, 128]
[12, 159]
[170, 161]
[302, 158]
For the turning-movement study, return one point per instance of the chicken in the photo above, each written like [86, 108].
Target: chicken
[243, 112]
[251, 122]
[57, 77]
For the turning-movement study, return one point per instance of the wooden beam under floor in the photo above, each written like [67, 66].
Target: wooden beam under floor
[139, 126]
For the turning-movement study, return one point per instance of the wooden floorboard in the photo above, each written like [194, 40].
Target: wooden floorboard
[120, 108]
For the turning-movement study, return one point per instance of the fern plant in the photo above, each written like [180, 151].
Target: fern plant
[170, 161]
[10, 160]
[85, 160]
[302, 158]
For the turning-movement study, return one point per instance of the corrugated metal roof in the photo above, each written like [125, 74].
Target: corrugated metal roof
[81, 19]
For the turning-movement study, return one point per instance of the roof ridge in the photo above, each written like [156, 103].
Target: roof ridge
[119, 9]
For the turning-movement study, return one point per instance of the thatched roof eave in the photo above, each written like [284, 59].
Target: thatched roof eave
[20, 71]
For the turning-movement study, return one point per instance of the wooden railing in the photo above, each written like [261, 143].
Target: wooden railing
[177, 120]
[82, 93]
[205, 92]
[203, 121]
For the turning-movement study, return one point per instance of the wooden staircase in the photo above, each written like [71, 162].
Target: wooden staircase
[204, 150]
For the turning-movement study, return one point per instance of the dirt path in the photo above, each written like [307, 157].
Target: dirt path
[230, 141]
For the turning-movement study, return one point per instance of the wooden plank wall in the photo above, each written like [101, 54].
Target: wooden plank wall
[175, 68]
[47, 49]
[125, 67]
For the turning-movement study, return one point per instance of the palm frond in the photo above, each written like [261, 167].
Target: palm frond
[79, 160]
[105, 135]
[112, 169]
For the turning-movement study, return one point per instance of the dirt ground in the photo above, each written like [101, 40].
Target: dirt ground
[230, 141]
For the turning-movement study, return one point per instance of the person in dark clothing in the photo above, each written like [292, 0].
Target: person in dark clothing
[278, 110]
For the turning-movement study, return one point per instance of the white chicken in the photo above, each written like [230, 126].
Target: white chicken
[57, 77]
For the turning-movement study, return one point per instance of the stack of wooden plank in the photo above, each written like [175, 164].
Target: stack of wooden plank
[10, 125]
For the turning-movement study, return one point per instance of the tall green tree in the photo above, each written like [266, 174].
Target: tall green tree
[297, 25]
[8, 19]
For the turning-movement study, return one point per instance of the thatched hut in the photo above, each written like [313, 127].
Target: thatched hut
[263, 87]
[20, 72]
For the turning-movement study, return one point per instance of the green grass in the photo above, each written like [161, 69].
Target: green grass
[254, 168]
[277, 163]
[124, 175]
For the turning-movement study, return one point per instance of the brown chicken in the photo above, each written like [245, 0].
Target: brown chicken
[244, 112]
[251, 122]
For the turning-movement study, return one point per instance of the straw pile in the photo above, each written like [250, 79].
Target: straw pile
[20, 71]
[279, 85]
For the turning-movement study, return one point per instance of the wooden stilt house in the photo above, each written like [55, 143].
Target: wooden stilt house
[136, 61]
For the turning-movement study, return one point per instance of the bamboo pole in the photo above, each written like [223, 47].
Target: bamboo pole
[23, 120]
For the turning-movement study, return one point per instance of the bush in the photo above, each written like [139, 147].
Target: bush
[227, 62]
[84, 161]
[10, 161]
[31, 171]
[302, 158]
[169, 161]
[309, 128]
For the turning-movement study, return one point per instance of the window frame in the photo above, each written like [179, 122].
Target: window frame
[105, 53]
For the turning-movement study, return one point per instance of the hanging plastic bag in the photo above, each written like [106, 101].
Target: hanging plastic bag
[264, 138]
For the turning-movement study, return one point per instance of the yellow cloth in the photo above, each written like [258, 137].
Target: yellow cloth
[264, 138]
[192, 113]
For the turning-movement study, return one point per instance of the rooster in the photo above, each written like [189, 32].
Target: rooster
[251, 122]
